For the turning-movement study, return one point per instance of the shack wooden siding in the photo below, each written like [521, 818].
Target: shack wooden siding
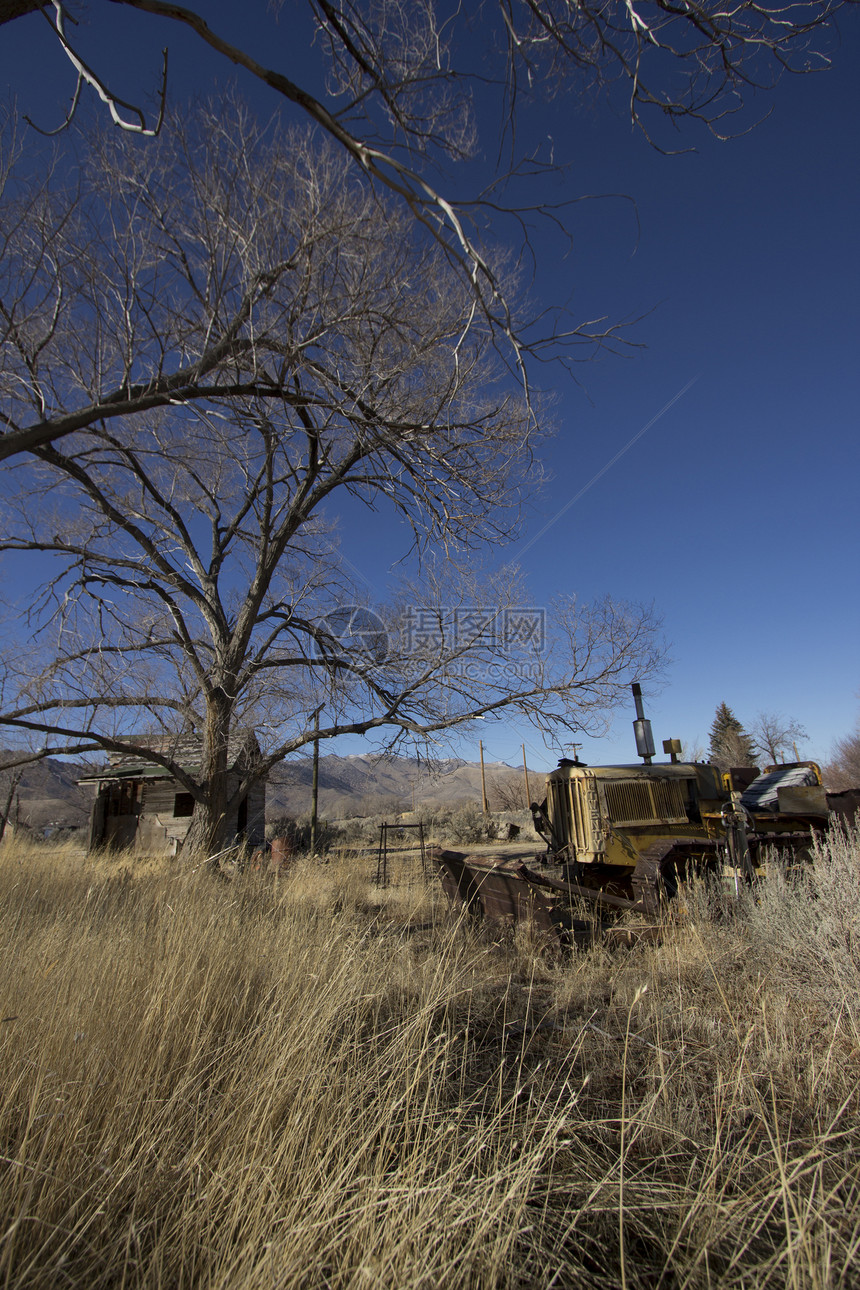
[158, 828]
[159, 796]
[161, 808]
[256, 828]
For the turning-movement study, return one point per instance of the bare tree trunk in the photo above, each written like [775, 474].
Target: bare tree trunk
[14, 780]
[209, 831]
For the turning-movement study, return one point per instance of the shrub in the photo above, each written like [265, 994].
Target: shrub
[297, 833]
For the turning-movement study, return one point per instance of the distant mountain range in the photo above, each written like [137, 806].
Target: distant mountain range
[47, 794]
[366, 784]
[359, 784]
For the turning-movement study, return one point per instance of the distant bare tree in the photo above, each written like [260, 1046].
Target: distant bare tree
[318, 349]
[508, 792]
[774, 736]
[843, 768]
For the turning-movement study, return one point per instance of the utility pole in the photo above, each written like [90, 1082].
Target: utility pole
[526, 775]
[315, 782]
[486, 809]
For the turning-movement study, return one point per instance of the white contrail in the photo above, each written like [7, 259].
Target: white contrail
[603, 469]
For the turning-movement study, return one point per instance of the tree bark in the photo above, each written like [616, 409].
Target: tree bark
[12, 9]
[14, 780]
[209, 831]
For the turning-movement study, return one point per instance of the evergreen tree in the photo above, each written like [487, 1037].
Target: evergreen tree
[730, 743]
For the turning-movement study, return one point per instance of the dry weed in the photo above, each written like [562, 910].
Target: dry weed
[302, 1081]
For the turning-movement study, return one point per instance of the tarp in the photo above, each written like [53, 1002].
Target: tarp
[762, 794]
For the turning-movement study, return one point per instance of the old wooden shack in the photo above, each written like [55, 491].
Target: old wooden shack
[139, 804]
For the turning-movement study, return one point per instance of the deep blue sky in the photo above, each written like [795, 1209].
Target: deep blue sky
[735, 513]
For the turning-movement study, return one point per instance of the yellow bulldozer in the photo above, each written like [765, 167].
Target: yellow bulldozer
[620, 839]
[635, 831]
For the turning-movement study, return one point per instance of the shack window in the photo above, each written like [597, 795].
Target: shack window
[183, 804]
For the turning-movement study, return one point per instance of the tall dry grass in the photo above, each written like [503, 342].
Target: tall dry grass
[281, 1082]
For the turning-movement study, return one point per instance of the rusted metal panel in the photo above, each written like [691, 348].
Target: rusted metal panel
[807, 799]
[646, 875]
[780, 841]
[845, 804]
[741, 777]
[507, 896]
[512, 893]
[456, 879]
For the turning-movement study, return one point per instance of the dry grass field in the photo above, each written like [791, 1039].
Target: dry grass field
[298, 1081]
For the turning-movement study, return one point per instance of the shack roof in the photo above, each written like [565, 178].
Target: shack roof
[185, 750]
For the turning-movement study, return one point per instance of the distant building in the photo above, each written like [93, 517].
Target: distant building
[139, 804]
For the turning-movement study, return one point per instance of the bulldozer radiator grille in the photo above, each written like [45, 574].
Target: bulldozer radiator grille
[645, 801]
[567, 815]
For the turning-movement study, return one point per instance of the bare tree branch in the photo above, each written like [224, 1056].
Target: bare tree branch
[86, 76]
[399, 101]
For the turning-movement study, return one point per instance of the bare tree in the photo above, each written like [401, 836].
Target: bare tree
[508, 793]
[324, 350]
[774, 736]
[58, 281]
[843, 769]
[400, 103]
